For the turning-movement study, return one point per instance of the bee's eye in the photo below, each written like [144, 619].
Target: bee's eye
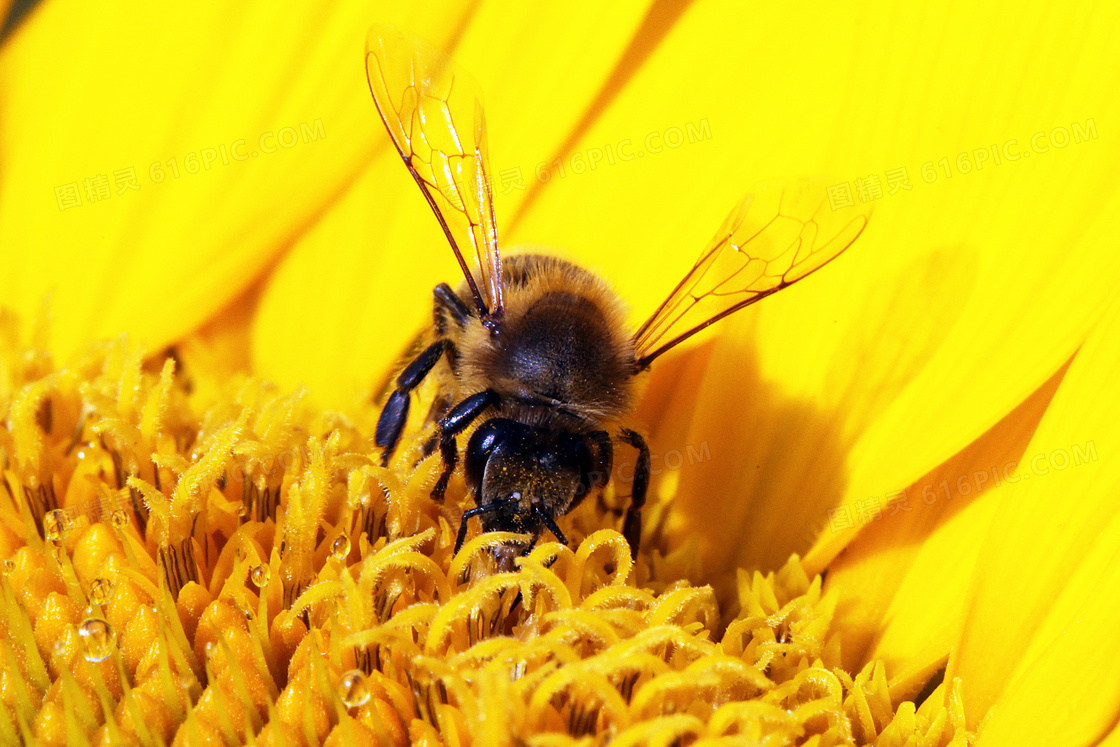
[486, 437]
[482, 444]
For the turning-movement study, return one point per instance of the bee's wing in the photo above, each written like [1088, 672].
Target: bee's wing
[433, 113]
[775, 236]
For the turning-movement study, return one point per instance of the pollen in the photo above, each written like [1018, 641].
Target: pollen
[195, 560]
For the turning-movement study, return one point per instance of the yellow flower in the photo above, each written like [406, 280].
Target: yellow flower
[927, 423]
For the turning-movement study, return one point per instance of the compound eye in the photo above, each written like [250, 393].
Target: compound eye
[486, 436]
[576, 452]
[483, 442]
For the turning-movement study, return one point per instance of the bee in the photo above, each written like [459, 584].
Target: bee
[532, 352]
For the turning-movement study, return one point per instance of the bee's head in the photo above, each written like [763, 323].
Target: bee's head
[523, 478]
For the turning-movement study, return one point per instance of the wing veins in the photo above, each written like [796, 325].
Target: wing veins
[436, 101]
[668, 321]
[406, 133]
[813, 239]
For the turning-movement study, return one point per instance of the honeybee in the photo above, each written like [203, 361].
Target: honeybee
[533, 351]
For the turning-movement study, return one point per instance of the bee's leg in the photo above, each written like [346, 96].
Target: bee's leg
[395, 413]
[604, 459]
[632, 525]
[598, 473]
[439, 408]
[467, 515]
[447, 304]
[428, 448]
[461, 416]
[447, 301]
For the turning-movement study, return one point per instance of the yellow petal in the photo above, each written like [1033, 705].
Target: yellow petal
[1112, 740]
[1041, 276]
[155, 162]
[1047, 525]
[8, 20]
[783, 455]
[904, 580]
[217, 354]
[1064, 689]
[324, 318]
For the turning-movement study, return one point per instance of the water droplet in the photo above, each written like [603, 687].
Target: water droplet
[353, 688]
[210, 649]
[259, 575]
[120, 518]
[55, 525]
[100, 591]
[341, 547]
[9, 566]
[98, 638]
[56, 551]
[243, 510]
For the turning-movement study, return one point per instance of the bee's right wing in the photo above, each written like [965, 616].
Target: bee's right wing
[434, 115]
[776, 236]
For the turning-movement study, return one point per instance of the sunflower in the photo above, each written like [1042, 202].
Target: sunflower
[884, 504]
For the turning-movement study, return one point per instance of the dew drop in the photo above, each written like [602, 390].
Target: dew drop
[55, 525]
[9, 566]
[243, 510]
[100, 591]
[98, 638]
[259, 575]
[119, 518]
[341, 547]
[353, 689]
[56, 551]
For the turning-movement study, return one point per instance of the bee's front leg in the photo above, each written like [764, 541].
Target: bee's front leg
[395, 412]
[461, 416]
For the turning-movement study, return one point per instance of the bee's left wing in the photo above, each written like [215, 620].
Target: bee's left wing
[776, 236]
[433, 113]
